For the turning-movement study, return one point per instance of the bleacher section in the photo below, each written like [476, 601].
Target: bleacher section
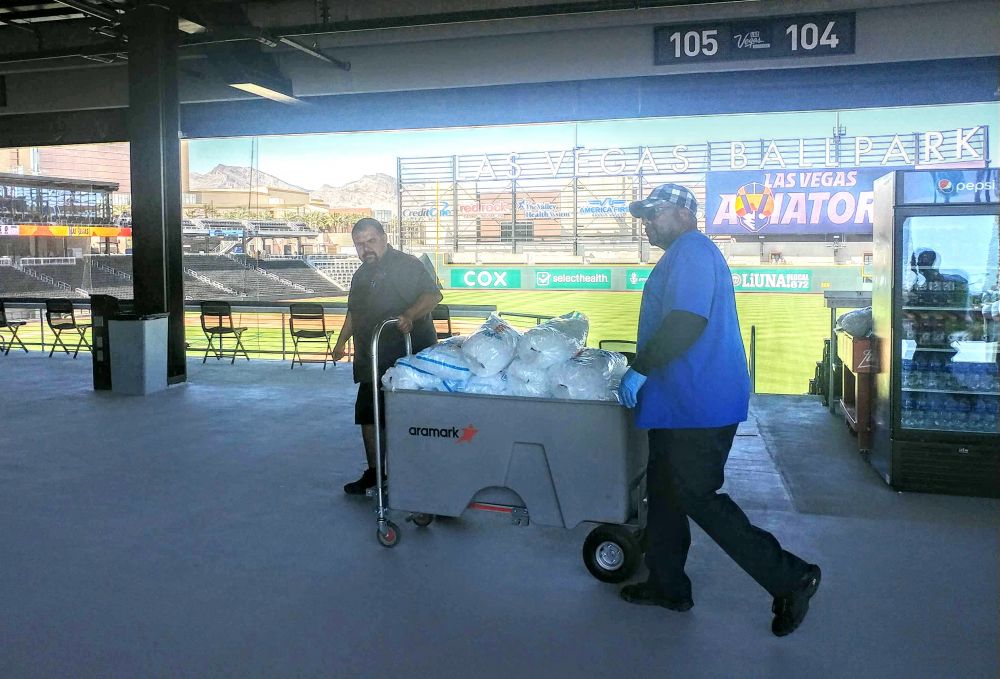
[15, 283]
[205, 277]
[245, 280]
[298, 271]
[84, 275]
[340, 268]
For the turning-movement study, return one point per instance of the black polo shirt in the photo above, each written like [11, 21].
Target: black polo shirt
[385, 290]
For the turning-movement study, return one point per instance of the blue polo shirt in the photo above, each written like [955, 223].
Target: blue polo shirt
[708, 385]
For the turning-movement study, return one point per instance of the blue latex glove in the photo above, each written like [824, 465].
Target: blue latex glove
[629, 388]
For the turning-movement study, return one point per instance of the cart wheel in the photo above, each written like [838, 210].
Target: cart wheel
[389, 535]
[421, 520]
[611, 553]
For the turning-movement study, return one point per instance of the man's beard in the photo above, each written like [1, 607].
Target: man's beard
[658, 239]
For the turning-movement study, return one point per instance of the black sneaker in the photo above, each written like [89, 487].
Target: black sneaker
[361, 486]
[647, 594]
[790, 609]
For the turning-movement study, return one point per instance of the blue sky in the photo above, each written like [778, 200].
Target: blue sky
[312, 160]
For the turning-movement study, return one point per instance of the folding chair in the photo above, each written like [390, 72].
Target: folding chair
[307, 323]
[61, 316]
[13, 326]
[217, 322]
[441, 317]
[626, 348]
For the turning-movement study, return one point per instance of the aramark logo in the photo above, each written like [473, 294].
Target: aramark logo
[464, 435]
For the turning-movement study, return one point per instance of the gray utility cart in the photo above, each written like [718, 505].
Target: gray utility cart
[556, 462]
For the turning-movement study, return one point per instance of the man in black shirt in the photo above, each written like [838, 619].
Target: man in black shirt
[389, 284]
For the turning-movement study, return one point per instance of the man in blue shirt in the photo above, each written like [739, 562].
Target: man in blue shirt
[690, 388]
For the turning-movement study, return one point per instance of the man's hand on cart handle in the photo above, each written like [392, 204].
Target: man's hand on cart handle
[404, 323]
[629, 388]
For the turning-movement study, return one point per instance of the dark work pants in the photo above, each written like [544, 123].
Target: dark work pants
[685, 472]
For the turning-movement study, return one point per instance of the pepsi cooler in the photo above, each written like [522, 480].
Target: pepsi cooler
[936, 318]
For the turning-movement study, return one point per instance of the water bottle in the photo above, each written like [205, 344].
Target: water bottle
[931, 375]
[918, 365]
[962, 412]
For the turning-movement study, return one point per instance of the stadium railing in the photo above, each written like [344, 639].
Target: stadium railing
[267, 335]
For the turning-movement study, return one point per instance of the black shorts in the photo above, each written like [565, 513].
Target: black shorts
[364, 409]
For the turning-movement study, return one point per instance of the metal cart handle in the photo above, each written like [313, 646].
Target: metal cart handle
[378, 414]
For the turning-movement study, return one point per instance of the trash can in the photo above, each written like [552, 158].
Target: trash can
[138, 346]
[102, 309]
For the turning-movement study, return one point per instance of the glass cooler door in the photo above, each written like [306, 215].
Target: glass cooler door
[950, 324]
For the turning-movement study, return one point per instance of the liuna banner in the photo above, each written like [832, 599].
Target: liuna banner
[791, 202]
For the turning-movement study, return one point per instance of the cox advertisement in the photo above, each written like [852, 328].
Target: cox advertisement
[491, 278]
[791, 202]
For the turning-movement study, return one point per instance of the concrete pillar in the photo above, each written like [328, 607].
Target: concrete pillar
[155, 163]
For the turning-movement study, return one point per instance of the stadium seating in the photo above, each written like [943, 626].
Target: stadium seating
[16, 283]
[247, 282]
[85, 276]
[340, 269]
[112, 274]
[298, 271]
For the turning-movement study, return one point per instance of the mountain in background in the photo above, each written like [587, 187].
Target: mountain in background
[237, 177]
[377, 191]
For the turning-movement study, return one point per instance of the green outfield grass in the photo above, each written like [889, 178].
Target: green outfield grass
[790, 327]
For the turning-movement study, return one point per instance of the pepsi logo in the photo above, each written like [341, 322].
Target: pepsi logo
[945, 186]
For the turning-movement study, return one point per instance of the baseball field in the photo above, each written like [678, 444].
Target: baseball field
[790, 328]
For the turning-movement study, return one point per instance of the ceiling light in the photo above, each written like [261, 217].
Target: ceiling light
[261, 91]
[188, 26]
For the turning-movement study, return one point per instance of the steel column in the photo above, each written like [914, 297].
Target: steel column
[154, 115]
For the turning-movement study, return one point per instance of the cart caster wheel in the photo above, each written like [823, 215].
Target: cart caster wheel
[421, 520]
[611, 553]
[388, 536]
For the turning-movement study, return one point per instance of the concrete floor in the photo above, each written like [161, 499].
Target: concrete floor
[202, 532]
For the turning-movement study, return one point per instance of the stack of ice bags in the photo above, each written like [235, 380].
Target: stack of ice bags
[547, 361]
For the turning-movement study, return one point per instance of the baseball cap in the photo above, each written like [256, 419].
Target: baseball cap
[661, 195]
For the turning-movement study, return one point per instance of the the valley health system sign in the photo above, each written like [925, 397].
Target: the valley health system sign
[791, 202]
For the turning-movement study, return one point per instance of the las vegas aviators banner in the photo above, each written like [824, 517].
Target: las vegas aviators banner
[65, 230]
[791, 202]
